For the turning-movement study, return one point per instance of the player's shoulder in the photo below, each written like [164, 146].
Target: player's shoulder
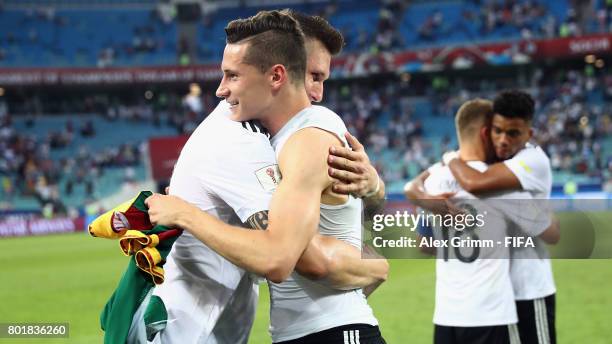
[322, 115]
[531, 159]
[532, 152]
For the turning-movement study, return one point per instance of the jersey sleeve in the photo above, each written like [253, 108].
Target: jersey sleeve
[530, 216]
[244, 175]
[532, 168]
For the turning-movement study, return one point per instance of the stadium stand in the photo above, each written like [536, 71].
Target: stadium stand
[142, 33]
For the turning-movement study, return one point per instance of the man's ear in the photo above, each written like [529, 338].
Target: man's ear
[278, 76]
[485, 131]
[530, 133]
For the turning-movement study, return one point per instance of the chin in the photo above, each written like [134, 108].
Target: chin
[503, 156]
[240, 117]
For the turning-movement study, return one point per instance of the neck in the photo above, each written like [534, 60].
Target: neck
[288, 102]
[469, 151]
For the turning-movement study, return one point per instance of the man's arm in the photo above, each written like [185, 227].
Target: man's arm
[552, 234]
[335, 263]
[344, 266]
[414, 191]
[293, 217]
[497, 177]
[354, 174]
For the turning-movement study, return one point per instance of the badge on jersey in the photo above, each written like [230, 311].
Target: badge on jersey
[269, 177]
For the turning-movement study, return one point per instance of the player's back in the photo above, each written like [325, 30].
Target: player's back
[217, 172]
[299, 306]
[473, 286]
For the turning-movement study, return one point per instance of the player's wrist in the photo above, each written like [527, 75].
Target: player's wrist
[185, 218]
[376, 188]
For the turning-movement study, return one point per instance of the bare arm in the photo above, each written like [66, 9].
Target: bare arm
[335, 263]
[414, 191]
[497, 177]
[370, 253]
[552, 234]
[345, 266]
[293, 217]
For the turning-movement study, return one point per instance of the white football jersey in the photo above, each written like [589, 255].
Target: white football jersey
[300, 307]
[473, 285]
[229, 170]
[530, 267]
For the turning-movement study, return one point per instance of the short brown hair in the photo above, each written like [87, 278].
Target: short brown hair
[315, 27]
[471, 116]
[274, 38]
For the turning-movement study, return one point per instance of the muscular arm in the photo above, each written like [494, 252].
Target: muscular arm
[497, 177]
[345, 267]
[332, 261]
[293, 217]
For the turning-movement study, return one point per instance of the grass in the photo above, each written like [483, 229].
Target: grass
[68, 278]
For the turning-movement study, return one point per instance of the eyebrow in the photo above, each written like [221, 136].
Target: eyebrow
[509, 131]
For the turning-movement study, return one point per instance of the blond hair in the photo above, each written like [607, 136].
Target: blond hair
[472, 116]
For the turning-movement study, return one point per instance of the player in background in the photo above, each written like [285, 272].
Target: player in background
[523, 166]
[256, 88]
[474, 295]
[526, 167]
[240, 178]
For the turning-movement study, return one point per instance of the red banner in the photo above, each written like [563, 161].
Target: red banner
[595, 44]
[20, 225]
[163, 152]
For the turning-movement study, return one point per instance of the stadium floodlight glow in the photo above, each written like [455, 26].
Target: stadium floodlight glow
[590, 58]
[599, 63]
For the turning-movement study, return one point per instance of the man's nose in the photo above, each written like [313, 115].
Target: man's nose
[222, 91]
[316, 94]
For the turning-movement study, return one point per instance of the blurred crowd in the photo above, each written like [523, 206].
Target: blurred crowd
[27, 168]
[573, 123]
[478, 20]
